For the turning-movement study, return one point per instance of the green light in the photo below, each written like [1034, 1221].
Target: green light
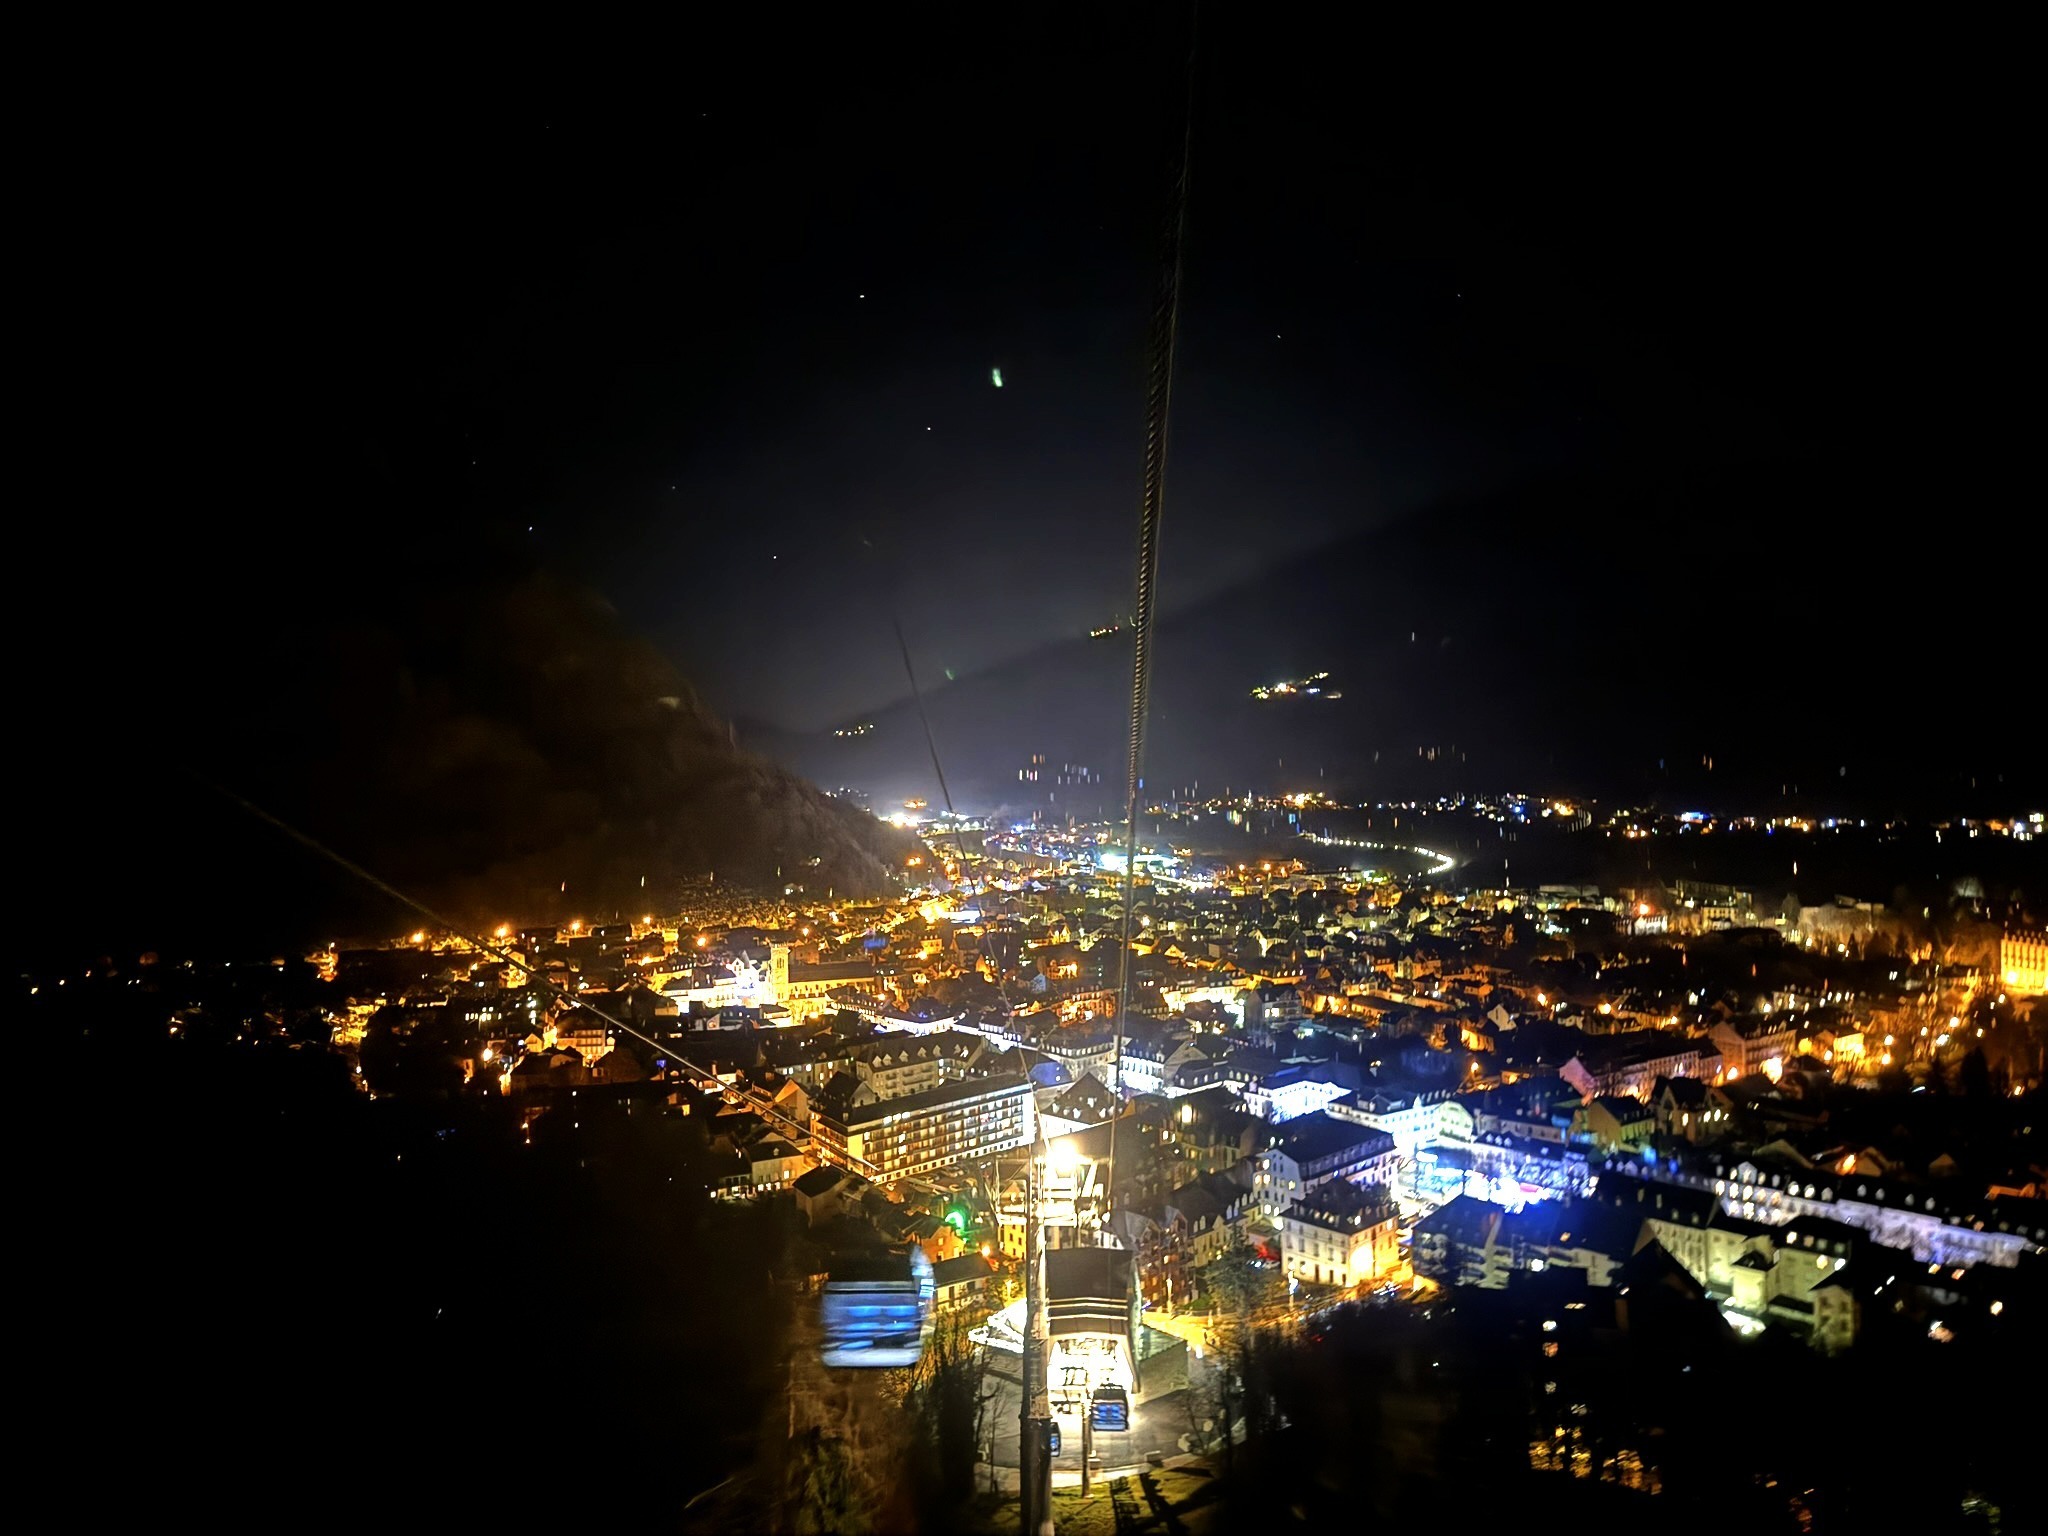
[956, 1218]
[996, 376]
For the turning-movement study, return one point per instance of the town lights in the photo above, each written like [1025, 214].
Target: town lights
[504, 930]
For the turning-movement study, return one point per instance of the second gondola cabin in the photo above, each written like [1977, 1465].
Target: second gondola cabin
[877, 1309]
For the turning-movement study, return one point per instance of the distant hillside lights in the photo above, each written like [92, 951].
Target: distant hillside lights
[1314, 686]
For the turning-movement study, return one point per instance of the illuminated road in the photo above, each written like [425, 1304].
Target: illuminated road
[1444, 862]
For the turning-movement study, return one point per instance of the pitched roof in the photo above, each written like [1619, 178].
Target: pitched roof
[894, 1050]
[1685, 1092]
[1597, 1227]
[1665, 1202]
[1344, 1207]
[1087, 1094]
[1466, 1220]
[968, 1267]
[1105, 1273]
[1308, 1138]
[1651, 1266]
[818, 1181]
[832, 970]
[936, 1098]
[1624, 1109]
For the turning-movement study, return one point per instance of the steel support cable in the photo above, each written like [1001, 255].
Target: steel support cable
[1165, 332]
[699, 1075]
[959, 838]
[930, 741]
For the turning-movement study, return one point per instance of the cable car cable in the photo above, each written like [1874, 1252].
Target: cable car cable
[701, 1076]
[1152, 503]
[945, 794]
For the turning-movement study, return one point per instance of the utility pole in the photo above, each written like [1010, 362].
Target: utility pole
[1087, 1449]
[1034, 1414]
[1027, 1427]
[1029, 1448]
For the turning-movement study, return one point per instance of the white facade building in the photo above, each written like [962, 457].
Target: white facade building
[1340, 1235]
[1910, 1219]
[1412, 1119]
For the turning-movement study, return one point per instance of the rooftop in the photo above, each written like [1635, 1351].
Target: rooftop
[1311, 1138]
[931, 1099]
[1343, 1206]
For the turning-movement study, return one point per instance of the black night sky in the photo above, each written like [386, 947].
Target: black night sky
[704, 351]
[726, 355]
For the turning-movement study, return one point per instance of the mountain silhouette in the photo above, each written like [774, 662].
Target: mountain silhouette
[481, 734]
[1746, 633]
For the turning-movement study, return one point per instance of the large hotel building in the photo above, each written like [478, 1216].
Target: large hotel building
[919, 1132]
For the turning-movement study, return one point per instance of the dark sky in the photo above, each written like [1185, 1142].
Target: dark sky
[726, 349]
[721, 338]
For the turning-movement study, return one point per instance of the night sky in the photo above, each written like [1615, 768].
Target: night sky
[723, 352]
[705, 349]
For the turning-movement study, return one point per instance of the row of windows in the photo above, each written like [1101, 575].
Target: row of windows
[925, 1128]
[915, 1163]
[1010, 1100]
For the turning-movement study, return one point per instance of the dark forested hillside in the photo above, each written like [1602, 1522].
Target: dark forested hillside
[482, 734]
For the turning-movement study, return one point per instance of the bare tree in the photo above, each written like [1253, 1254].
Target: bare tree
[945, 1414]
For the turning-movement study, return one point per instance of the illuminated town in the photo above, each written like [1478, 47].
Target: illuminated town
[1118, 770]
[1357, 1076]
